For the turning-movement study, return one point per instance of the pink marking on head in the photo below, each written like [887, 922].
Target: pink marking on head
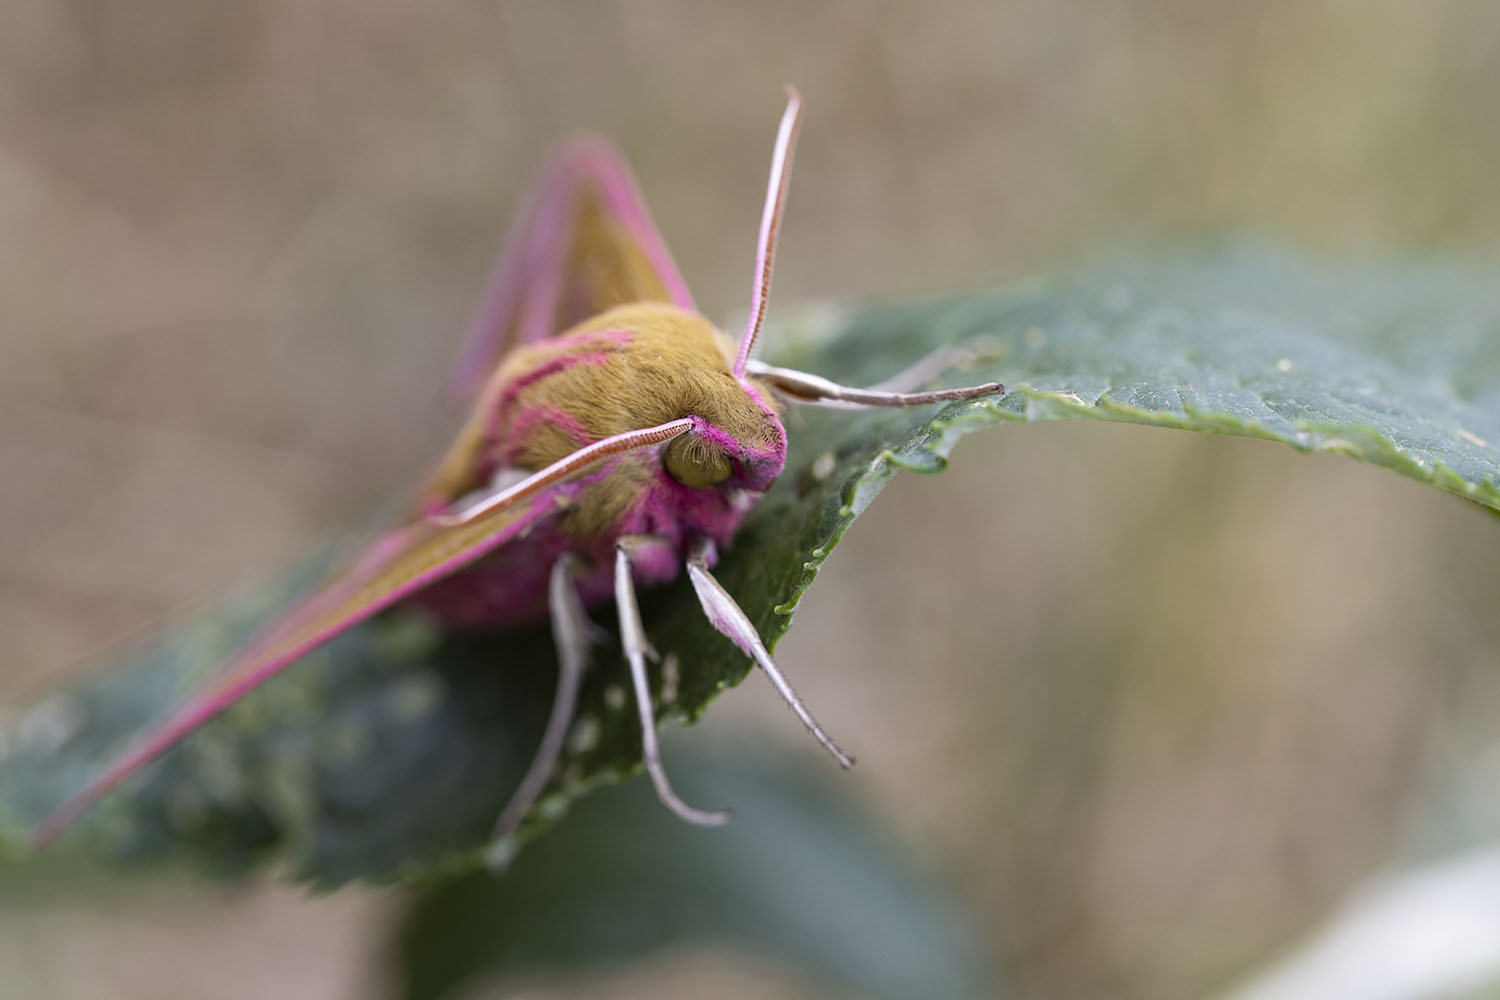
[770, 225]
[715, 436]
[772, 461]
[758, 467]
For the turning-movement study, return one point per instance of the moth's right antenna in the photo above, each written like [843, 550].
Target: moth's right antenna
[770, 224]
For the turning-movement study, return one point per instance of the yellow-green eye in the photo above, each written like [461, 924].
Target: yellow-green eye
[695, 463]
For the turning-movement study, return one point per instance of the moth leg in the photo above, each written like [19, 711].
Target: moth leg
[726, 616]
[571, 631]
[814, 390]
[633, 639]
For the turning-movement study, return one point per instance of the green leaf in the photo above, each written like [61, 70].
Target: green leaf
[799, 877]
[389, 752]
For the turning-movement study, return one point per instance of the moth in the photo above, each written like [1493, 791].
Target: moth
[616, 436]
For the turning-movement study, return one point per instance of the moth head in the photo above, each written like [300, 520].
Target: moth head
[745, 453]
[738, 446]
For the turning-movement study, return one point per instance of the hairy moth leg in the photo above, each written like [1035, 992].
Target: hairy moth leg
[633, 639]
[571, 630]
[815, 390]
[726, 616]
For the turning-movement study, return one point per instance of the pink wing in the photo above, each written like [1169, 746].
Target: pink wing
[393, 567]
[584, 242]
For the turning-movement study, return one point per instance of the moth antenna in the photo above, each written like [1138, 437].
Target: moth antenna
[571, 630]
[616, 444]
[633, 639]
[770, 224]
[729, 618]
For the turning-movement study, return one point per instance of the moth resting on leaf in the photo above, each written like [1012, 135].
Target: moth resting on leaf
[616, 435]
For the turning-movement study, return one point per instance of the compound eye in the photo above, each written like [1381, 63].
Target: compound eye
[695, 463]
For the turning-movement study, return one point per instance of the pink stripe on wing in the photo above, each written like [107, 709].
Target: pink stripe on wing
[608, 168]
[204, 706]
[524, 286]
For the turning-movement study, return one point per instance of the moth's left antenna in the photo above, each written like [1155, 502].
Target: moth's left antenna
[770, 224]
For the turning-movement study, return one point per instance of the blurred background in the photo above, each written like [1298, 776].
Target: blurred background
[1191, 690]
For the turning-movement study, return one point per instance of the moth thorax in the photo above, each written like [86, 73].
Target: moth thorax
[696, 463]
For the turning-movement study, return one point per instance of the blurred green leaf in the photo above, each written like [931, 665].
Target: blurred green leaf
[800, 877]
[389, 752]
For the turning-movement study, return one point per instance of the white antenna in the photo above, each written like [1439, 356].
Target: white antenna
[770, 224]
